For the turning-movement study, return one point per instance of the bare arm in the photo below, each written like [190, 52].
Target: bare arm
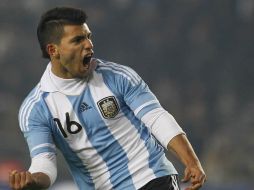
[26, 180]
[194, 172]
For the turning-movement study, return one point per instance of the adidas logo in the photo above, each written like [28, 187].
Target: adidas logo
[84, 106]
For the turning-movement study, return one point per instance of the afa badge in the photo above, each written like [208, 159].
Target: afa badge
[108, 107]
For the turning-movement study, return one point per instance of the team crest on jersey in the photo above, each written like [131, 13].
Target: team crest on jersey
[108, 107]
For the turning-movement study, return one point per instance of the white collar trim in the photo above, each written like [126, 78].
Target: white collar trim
[52, 83]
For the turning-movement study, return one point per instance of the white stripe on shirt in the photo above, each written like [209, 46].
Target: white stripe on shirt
[79, 142]
[124, 130]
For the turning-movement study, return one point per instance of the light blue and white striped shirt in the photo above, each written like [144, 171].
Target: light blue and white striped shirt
[97, 125]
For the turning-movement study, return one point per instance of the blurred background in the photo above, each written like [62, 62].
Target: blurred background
[196, 56]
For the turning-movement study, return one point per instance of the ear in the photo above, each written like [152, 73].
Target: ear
[53, 51]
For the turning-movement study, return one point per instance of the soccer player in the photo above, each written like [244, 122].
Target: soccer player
[101, 115]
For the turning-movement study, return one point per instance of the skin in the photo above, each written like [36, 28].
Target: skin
[67, 56]
[193, 172]
[25, 180]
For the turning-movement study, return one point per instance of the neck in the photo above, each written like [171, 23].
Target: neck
[58, 70]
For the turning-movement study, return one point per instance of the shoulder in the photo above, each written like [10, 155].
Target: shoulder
[115, 70]
[32, 105]
[34, 96]
[112, 66]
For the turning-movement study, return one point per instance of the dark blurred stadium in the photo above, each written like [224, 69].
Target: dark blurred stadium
[196, 56]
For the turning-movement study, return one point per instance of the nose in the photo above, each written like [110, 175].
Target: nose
[88, 44]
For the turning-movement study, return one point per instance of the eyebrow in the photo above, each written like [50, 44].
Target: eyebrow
[82, 36]
[77, 37]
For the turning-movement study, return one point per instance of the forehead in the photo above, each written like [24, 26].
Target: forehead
[73, 30]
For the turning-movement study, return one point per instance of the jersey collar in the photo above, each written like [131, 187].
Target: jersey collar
[51, 83]
[46, 82]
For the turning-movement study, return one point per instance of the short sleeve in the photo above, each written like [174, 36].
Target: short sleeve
[137, 94]
[35, 125]
[126, 83]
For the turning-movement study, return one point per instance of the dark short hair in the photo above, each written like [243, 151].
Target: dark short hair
[50, 27]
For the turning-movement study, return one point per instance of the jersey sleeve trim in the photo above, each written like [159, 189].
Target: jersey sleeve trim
[43, 148]
[136, 111]
[49, 145]
[27, 107]
[124, 71]
[147, 109]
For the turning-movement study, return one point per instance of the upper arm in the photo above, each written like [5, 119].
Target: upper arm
[136, 92]
[139, 97]
[34, 124]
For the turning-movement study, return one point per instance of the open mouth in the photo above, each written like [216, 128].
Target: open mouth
[87, 60]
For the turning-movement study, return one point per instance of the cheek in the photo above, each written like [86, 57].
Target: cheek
[68, 58]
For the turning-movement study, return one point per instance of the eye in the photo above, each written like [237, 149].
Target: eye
[89, 36]
[79, 39]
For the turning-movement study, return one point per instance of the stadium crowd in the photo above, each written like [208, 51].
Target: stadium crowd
[195, 55]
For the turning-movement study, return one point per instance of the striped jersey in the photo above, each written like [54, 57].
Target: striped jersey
[96, 124]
